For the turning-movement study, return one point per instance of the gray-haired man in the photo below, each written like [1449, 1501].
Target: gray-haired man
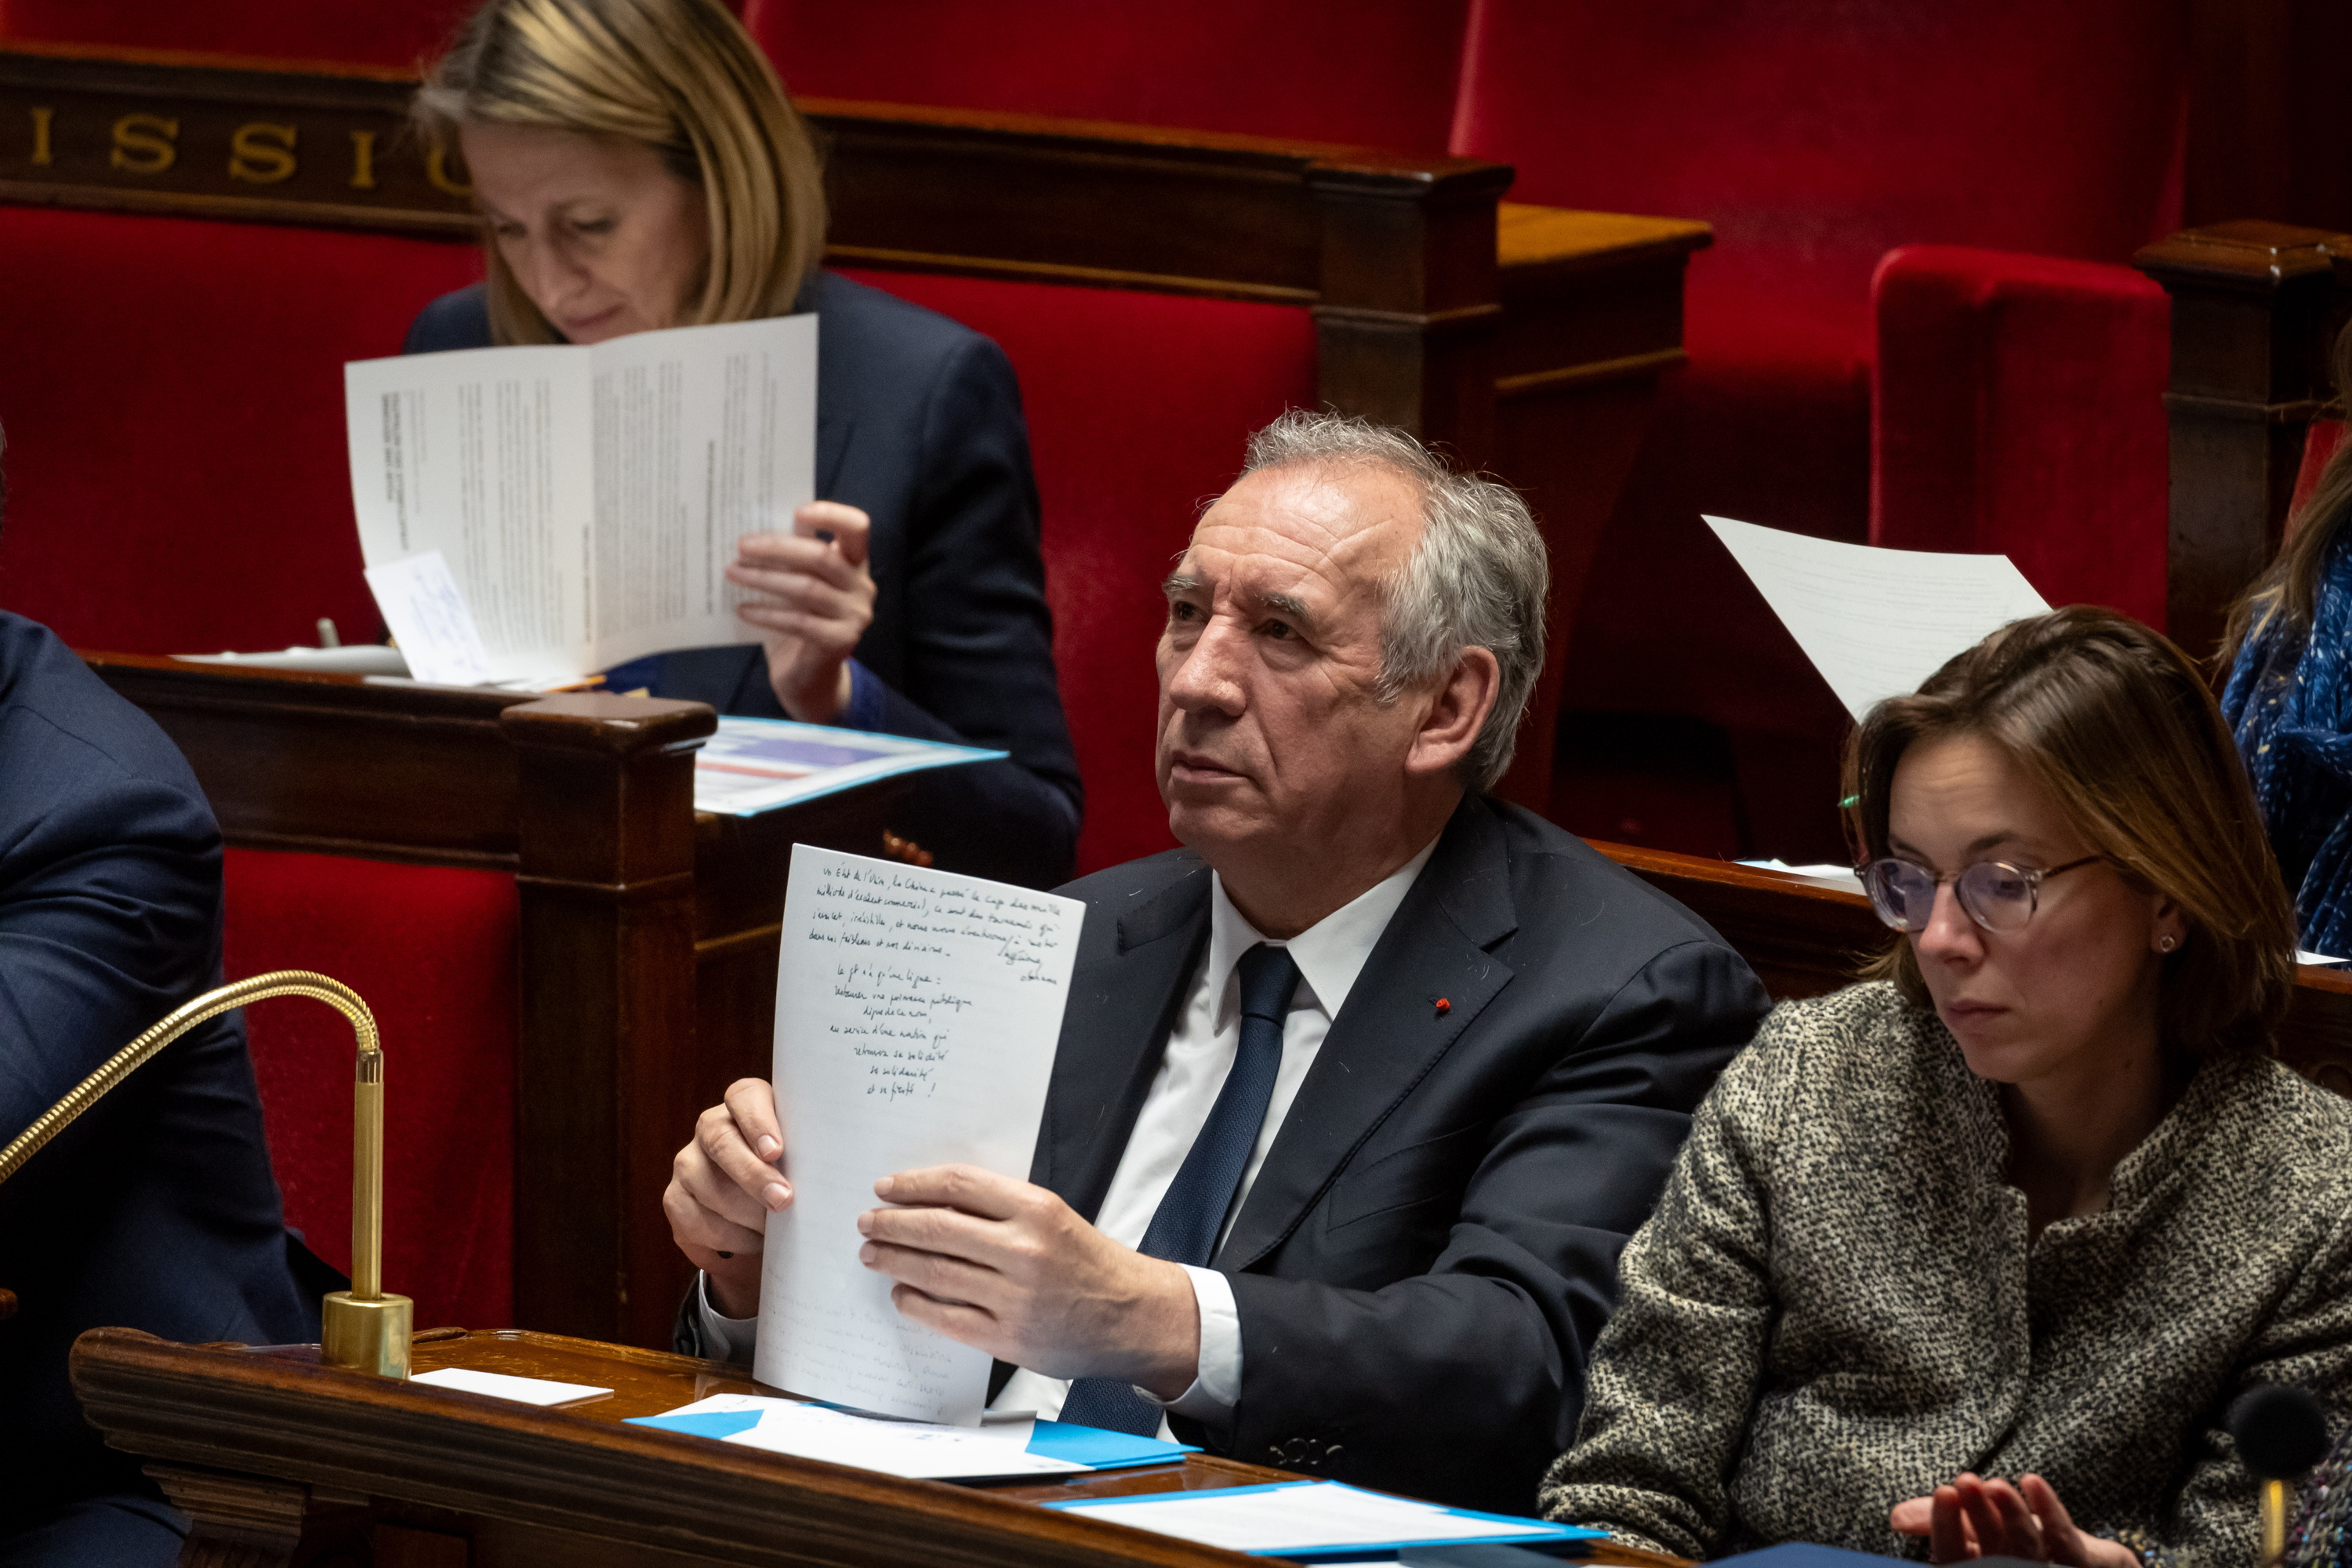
[1359, 1094]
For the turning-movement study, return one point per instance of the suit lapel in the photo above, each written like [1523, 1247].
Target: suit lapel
[1114, 1033]
[831, 446]
[1389, 1034]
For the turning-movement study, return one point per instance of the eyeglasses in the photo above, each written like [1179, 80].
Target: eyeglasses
[1997, 895]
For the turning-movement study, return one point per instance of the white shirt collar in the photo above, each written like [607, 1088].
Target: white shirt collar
[1329, 953]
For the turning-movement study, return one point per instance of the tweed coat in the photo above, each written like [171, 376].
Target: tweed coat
[1836, 1306]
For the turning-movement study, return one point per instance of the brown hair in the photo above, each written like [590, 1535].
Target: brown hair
[2285, 597]
[679, 77]
[2116, 725]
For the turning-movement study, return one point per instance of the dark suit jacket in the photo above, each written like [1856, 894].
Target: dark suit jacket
[1431, 1246]
[156, 1210]
[919, 424]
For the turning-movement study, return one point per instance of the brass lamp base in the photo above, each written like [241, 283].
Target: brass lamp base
[367, 1336]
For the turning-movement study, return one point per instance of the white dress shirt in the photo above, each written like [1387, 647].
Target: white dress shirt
[1200, 1050]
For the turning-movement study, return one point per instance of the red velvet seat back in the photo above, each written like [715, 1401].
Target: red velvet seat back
[1137, 407]
[1816, 135]
[172, 391]
[432, 950]
[1374, 72]
[2020, 411]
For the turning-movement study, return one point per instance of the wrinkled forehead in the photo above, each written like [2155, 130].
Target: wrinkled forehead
[1324, 533]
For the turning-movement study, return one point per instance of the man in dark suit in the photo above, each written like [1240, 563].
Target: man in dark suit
[156, 1209]
[1359, 1095]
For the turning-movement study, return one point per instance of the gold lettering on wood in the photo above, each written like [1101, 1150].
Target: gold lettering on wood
[436, 169]
[261, 153]
[362, 160]
[41, 118]
[144, 143]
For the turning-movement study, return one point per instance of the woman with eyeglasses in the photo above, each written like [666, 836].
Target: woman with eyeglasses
[1971, 1256]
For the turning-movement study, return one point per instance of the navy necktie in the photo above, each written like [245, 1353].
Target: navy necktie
[1185, 1226]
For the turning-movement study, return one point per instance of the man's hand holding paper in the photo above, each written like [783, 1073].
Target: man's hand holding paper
[722, 1188]
[1008, 1268]
[1000, 1265]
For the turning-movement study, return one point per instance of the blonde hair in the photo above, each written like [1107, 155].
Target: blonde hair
[2283, 600]
[679, 77]
[2119, 729]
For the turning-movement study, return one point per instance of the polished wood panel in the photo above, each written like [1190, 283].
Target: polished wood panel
[1804, 938]
[2255, 309]
[280, 1460]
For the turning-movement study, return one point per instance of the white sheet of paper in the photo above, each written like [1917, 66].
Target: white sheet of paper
[1299, 1516]
[1875, 622]
[499, 1385]
[920, 1450]
[427, 616]
[916, 1014]
[588, 498]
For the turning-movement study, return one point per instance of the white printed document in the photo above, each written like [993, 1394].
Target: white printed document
[920, 1450]
[1875, 622]
[1309, 1519]
[753, 765]
[917, 1014]
[587, 500]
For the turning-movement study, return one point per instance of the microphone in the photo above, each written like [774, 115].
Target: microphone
[2281, 1433]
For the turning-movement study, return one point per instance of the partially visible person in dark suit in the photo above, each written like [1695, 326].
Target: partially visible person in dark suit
[638, 166]
[1971, 1256]
[2289, 699]
[156, 1210]
[1359, 1094]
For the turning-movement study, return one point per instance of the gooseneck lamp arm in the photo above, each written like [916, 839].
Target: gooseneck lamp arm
[364, 1328]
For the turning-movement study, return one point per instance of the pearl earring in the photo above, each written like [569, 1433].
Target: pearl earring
[2167, 944]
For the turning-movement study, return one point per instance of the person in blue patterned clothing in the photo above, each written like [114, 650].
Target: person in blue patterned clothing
[2289, 700]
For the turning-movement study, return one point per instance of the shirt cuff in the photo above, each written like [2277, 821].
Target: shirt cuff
[866, 709]
[736, 1336]
[1217, 1380]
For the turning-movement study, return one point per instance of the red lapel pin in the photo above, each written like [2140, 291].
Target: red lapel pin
[1443, 1006]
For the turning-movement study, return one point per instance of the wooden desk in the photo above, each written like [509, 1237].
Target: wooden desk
[1804, 938]
[282, 1461]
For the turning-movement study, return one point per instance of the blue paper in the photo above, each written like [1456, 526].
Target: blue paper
[702, 1424]
[1100, 1450]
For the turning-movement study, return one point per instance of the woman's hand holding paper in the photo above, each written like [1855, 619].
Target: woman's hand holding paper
[1010, 1269]
[814, 600]
[722, 1187]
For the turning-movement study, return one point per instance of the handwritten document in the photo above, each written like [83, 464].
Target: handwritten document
[1875, 622]
[916, 1014]
[587, 500]
[427, 616]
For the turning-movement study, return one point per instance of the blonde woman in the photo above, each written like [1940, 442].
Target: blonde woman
[1971, 1258]
[638, 166]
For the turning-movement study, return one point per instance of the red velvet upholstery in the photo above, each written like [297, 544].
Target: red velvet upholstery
[1138, 405]
[172, 391]
[2319, 444]
[432, 951]
[2018, 410]
[1815, 135]
[342, 31]
[1374, 72]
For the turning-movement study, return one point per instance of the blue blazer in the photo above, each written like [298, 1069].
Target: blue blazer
[919, 424]
[157, 1210]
